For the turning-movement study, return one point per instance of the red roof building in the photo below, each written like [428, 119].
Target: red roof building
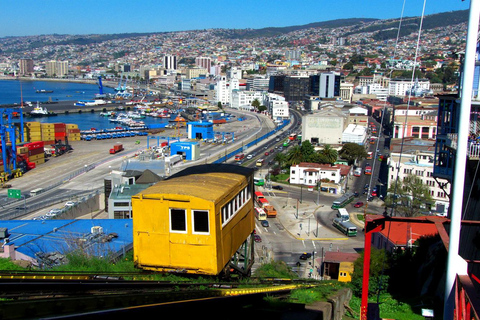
[401, 234]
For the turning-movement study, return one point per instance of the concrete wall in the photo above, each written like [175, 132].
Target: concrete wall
[82, 209]
[334, 308]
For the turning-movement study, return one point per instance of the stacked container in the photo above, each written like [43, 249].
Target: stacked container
[48, 133]
[36, 152]
[22, 154]
[32, 131]
[73, 133]
[60, 131]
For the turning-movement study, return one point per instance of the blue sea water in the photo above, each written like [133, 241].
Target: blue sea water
[87, 120]
[11, 91]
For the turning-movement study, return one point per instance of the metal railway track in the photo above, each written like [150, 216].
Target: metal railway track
[32, 298]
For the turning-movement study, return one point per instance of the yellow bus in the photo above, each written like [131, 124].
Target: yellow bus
[260, 162]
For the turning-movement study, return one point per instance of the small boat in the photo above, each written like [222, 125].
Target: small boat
[44, 91]
[108, 114]
[39, 112]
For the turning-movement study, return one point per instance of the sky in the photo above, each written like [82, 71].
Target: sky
[36, 17]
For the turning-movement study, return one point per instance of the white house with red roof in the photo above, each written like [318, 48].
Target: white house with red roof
[309, 174]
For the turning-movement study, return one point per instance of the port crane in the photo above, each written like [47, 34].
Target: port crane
[9, 151]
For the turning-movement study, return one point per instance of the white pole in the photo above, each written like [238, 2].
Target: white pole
[455, 264]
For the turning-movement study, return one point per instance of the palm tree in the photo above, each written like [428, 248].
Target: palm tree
[294, 156]
[328, 154]
[280, 158]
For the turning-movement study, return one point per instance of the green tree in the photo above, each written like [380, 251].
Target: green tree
[408, 197]
[378, 280]
[256, 104]
[328, 155]
[307, 150]
[280, 158]
[294, 156]
[352, 152]
[348, 66]
[262, 108]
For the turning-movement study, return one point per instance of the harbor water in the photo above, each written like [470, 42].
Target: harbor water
[87, 120]
[11, 92]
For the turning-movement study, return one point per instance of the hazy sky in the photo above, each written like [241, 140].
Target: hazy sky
[33, 17]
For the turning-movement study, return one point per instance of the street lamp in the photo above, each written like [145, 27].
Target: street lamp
[319, 183]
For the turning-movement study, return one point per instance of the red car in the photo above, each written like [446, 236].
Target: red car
[358, 204]
[266, 153]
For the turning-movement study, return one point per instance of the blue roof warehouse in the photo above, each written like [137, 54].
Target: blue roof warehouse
[44, 243]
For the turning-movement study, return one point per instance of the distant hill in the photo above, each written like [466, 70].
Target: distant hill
[383, 29]
[388, 29]
[276, 31]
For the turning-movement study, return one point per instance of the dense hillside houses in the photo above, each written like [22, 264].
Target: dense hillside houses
[340, 78]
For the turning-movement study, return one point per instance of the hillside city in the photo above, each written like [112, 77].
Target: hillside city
[311, 69]
[301, 52]
[344, 80]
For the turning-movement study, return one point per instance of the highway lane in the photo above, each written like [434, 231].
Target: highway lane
[83, 170]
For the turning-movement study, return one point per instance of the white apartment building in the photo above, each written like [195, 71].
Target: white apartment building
[278, 110]
[376, 89]
[420, 164]
[224, 89]
[399, 87]
[258, 82]
[221, 91]
[243, 99]
[235, 73]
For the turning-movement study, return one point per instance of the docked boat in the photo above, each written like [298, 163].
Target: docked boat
[90, 103]
[108, 114]
[135, 115]
[39, 112]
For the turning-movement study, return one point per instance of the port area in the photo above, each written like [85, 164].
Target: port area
[65, 107]
[95, 159]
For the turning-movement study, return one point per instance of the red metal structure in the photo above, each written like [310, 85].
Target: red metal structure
[467, 301]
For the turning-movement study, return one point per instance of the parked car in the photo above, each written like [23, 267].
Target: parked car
[258, 238]
[265, 223]
[53, 212]
[277, 187]
[305, 256]
[70, 203]
[358, 204]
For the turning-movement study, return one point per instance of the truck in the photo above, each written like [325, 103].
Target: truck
[116, 148]
[270, 210]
